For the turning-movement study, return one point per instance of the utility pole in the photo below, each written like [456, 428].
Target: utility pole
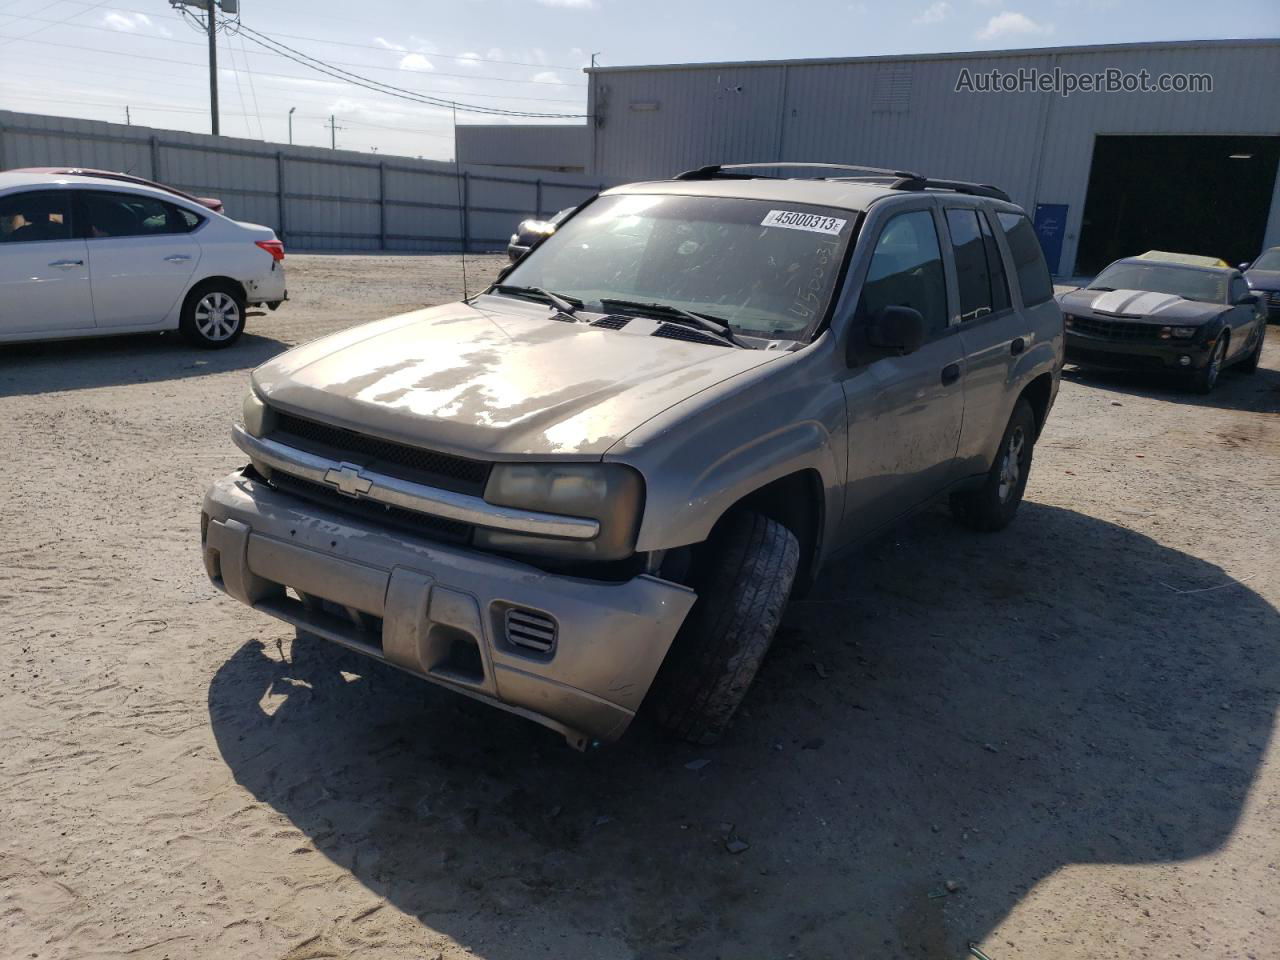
[128, 120]
[333, 132]
[213, 64]
[291, 109]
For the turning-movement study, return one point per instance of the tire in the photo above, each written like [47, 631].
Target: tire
[213, 315]
[993, 505]
[1206, 378]
[752, 567]
[1250, 363]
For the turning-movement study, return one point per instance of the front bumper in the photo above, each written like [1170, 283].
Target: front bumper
[1136, 355]
[440, 612]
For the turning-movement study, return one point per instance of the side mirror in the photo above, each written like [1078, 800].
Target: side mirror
[1250, 298]
[898, 330]
[1242, 267]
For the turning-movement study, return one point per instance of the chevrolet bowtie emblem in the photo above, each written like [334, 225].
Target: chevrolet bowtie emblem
[349, 480]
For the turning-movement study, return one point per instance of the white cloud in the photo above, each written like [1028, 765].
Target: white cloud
[934, 13]
[546, 76]
[468, 59]
[133, 23]
[570, 4]
[386, 44]
[417, 62]
[1011, 23]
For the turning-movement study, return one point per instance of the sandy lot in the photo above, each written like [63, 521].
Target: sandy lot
[1070, 723]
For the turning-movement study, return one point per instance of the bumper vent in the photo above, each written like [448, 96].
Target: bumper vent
[530, 630]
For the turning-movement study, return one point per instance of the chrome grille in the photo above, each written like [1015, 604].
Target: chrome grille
[531, 630]
[429, 467]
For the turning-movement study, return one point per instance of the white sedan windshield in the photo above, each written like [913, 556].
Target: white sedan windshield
[767, 268]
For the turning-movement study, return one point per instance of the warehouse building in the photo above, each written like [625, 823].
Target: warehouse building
[1105, 172]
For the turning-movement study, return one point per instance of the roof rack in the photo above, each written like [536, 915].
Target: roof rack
[900, 179]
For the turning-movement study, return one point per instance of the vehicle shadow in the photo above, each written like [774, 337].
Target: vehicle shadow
[945, 708]
[55, 365]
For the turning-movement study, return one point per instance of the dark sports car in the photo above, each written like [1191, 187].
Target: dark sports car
[1146, 314]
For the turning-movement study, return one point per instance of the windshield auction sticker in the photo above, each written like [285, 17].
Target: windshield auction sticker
[795, 220]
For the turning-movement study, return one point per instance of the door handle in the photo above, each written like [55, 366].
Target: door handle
[950, 374]
[1017, 346]
[66, 263]
[177, 258]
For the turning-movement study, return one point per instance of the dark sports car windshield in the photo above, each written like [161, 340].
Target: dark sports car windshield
[1186, 282]
[767, 268]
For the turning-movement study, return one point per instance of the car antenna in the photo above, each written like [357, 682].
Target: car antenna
[462, 210]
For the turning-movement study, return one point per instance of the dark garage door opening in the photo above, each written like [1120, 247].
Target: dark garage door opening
[1185, 194]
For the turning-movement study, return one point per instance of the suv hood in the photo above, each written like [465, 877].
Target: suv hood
[1263, 279]
[1139, 305]
[498, 376]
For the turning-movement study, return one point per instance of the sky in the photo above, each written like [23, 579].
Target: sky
[95, 58]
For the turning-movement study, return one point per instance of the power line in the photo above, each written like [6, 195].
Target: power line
[283, 76]
[347, 63]
[390, 90]
[367, 46]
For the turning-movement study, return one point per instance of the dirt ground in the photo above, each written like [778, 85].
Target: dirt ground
[1055, 741]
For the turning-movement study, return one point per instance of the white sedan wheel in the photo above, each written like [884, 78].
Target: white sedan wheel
[217, 316]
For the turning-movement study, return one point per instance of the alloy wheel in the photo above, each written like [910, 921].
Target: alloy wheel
[217, 316]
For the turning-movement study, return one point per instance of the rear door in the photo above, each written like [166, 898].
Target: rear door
[904, 412]
[44, 272]
[141, 255]
[992, 331]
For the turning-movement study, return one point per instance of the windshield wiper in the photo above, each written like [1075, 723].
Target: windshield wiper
[669, 311]
[565, 305]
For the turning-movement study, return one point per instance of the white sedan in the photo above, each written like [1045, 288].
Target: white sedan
[84, 256]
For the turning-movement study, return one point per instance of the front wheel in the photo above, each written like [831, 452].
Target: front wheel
[992, 506]
[751, 566]
[1206, 378]
[213, 315]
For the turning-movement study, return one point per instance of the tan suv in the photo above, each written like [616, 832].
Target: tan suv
[596, 484]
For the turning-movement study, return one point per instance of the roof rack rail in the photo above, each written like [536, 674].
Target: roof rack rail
[902, 179]
[727, 171]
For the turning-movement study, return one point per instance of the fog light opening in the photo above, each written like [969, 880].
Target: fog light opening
[1184, 360]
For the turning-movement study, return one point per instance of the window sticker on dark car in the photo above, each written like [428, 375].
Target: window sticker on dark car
[796, 220]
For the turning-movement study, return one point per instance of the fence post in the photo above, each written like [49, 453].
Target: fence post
[466, 211]
[155, 158]
[280, 190]
[382, 204]
[537, 213]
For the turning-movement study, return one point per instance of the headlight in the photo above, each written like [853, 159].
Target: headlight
[1180, 333]
[258, 416]
[609, 493]
[1068, 320]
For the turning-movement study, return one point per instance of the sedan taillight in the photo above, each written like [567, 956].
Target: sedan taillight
[273, 247]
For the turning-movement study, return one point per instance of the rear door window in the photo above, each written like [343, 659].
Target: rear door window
[35, 216]
[104, 214]
[972, 271]
[1028, 259]
[1000, 299]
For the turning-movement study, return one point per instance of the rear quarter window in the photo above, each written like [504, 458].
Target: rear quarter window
[1028, 259]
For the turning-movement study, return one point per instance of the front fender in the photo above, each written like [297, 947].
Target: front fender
[708, 453]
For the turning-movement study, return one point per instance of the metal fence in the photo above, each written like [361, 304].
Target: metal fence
[315, 199]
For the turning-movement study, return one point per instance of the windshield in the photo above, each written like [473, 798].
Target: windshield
[1185, 282]
[1268, 261]
[766, 268]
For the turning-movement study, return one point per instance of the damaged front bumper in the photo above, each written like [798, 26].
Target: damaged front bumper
[576, 655]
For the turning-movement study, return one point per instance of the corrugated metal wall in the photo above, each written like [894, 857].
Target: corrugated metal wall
[544, 146]
[905, 112]
[316, 199]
